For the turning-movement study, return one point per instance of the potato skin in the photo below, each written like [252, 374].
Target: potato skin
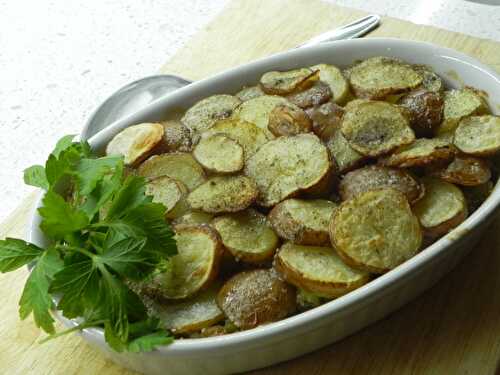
[464, 170]
[285, 121]
[315, 95]
[252, 298]
[425, 109]
[326, 118]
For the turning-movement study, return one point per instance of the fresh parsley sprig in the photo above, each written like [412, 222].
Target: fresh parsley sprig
[104, 231]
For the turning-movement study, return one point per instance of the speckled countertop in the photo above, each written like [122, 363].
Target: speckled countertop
[60, 59]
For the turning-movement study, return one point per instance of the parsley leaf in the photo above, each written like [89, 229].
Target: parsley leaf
[62, 144]
[35, 176]
[15, 253]
[131, 195]
[91, 171]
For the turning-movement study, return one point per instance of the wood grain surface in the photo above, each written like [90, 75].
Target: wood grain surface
[454, 328]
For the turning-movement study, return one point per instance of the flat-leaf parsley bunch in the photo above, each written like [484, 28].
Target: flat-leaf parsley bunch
[104, 232]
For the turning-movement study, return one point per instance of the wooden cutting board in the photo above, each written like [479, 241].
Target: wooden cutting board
[454, 328]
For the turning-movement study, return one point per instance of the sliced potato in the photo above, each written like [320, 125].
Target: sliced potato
[179, 166]
[376, 177]
[459, 104]
[476, 195]
[464, 170]
[199, 252]
[137, 142]
[317, 94]
[250, 92]
[194, 314]
[282, 83]
[376, 230]
[169, 192]
[247, 235]
[223, 194]
[430, 80]
[177, 136]
[441, 209]
[304, 222]
[378, 77]
[345, 157]
[326, 119]
[220, 154]
[421, 152]
[193, 218]
[374, 128]
[256, 297]
[208, 111]
[257, 111]
[318, 270]
[425, 109]
[287, 165]
[333, 77]
[285, 120]
[478, 135]
[307, 300]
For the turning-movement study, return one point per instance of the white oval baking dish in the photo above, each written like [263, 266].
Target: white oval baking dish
[291, 337]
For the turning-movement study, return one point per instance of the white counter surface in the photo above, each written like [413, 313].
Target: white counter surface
[60, 59]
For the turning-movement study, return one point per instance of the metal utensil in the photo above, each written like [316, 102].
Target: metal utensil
[136, 95]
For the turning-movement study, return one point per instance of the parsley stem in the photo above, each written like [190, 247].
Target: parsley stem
[77, 249]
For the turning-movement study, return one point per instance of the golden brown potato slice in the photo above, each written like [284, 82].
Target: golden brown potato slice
[208, 111]
[247, 134]
[459, 104]
[425, 109]
[375, 177]
[304, 222]
[421, 152]
[317, 94]
[378, 77]
[374, 128]
[326, 119]
[250, 92]
[430, 80]
[257, 111]
[285, 120]
[196, 265]
[318, 270]
[247, 235]
[137, 142]
[376, 230]
[286, 166]
[441, 209]
[223, 194]
[282, 83]
[179, 166]
[476, 195]
[219, 154]
[345, 157]
[333, 77]
[478, 135]
[256, 297]
[169, 192]
[193, 218]
[194, 314]
[177, 136]
[464, 170]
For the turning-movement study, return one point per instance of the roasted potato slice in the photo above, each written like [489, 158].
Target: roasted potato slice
[375, 177]
[282, 83]
[223, 194]
[430, 80]
[250, 92]
[307, 300]
[333, 77]
[194, 314]
[247, 235]
[257, 111]
[304, 222]
[199, 252]
[425, 109]
[326, 119]
[285, 120]
[345, 157]
[374, 128]
[476, 195]
[478, 135]
[256, 297]
[193, 218]
[177, 136]
[317, 94]
[378, 77]
[137, 142]
[421, 152]
[287, 165]
[464, 170]
[169, 192]
[208, 111]
[318, 270]
[179, 166]
[376, 230]
[459, 104]
[219, 154]
[441, 209]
